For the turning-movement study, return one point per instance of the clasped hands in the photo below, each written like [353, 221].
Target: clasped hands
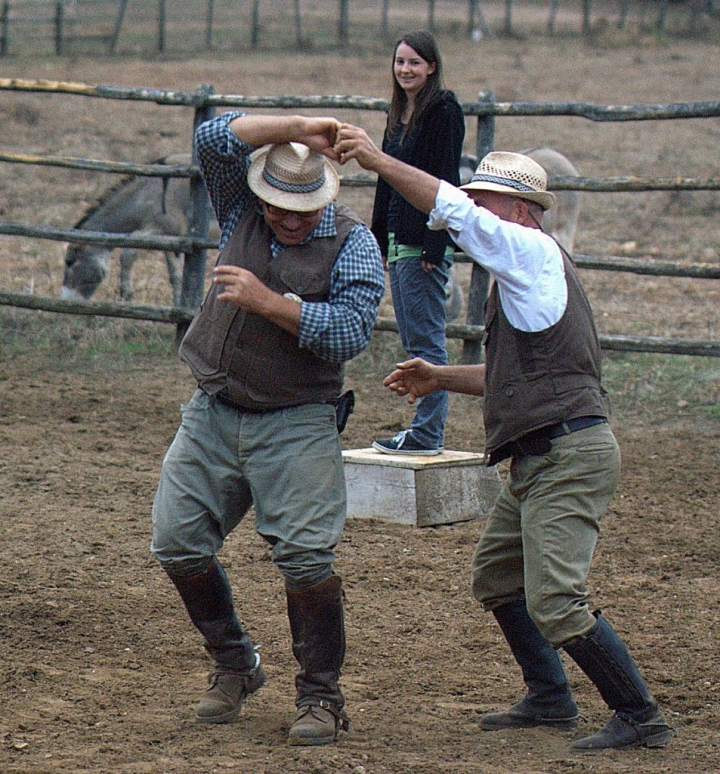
[339, 142]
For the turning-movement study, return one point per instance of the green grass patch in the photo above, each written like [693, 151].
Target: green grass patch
[76, 343]
[649, 386]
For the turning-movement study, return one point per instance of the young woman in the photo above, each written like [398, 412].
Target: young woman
[426, 129]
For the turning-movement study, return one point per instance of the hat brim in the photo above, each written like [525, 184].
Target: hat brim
[545, 199]
[296, 202]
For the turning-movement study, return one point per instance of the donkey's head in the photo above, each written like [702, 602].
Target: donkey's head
[85, 268]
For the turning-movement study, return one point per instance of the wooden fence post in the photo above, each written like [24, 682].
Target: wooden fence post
[118, 24]
[4, 27]
[193, 281]
[479, 277]
[162, 23]
[209, 25]
[624, 5]
[551, 17]
[507, 26]
[298, 25]
[59, 27]
[586, 26]
[344, 22]
[473, 11]
[255, 24]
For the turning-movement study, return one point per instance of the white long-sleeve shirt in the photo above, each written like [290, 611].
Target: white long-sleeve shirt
[525, 262]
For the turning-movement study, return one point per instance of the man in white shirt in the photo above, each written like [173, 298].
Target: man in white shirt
[544, 409]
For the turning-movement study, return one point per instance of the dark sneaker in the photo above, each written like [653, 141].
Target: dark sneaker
[228, 690]
[404, 443]
[317, 724]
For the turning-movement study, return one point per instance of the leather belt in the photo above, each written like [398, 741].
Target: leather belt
[538, 441]
[571, 426]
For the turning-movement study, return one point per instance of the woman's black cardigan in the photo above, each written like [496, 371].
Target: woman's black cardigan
[437, 147]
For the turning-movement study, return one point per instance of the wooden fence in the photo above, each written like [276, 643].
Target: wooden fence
[195, 244]
[95, 26]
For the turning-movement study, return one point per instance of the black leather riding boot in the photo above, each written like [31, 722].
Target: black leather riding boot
[237, 672]
[208, 599]
[318, 643]
[605, 659]
[549, 701]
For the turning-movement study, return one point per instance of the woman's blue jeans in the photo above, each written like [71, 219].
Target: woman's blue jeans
[419, 302]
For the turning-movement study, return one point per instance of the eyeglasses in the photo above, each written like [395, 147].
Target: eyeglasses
[280, 213]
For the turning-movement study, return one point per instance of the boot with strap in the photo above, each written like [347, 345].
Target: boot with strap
[549, 700]
[237, 672]
[637, 721]
[318, 636]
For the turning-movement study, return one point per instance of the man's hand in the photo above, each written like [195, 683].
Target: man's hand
[353, 143]
[414, 378]
[320, 134]
[415, 186]
[417, 378]
[241, 287]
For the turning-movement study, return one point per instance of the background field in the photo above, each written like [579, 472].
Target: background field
[100, 670]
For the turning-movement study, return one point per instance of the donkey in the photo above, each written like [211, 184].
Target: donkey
[560, 221]
[136, 206]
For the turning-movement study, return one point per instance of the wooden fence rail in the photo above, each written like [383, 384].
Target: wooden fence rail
[195, 244]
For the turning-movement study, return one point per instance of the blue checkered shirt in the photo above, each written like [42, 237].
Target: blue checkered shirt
[337, 329]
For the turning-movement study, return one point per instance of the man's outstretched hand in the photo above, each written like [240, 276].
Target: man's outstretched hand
[414, 378]
[352, 142]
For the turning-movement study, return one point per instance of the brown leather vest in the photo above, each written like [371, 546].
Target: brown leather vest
[248, 360]
[538, 379]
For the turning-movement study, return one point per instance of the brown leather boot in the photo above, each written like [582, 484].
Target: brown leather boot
[223, 701]
[318, 633]
[236, 665]
[317, 724]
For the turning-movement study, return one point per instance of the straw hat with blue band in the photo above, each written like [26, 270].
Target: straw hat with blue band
[513, 174]
[292, 176]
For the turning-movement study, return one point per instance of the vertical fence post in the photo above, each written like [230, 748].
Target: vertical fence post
[551, 17]
[193, 281]
[118, 24]
[586, 7]
[298, 26]
[384, 29]
[662, 16]
[507, 29]
[431, 16]
[161, 26]
[255, 24]
[209, 25]
[623, 14]
[4, 27]
[479, 278]
[344, 23]
[59, 27]
[473, 11]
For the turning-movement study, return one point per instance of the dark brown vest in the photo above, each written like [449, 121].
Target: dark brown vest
[538, 379]
[248, 360]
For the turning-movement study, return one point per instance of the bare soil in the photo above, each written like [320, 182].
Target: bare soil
[100, 669]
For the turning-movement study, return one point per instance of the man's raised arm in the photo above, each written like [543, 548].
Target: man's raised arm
[414, 185]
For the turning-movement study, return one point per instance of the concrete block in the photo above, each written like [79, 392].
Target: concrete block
[423, 491]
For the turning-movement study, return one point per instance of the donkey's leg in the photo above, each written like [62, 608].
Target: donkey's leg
[127, 260]
[173, 262]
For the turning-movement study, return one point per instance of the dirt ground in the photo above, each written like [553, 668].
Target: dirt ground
[100, 670]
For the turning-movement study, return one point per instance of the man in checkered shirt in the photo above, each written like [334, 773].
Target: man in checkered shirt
[295, 295]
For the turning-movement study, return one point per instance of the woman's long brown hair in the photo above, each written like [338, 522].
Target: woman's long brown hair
[425, 46]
